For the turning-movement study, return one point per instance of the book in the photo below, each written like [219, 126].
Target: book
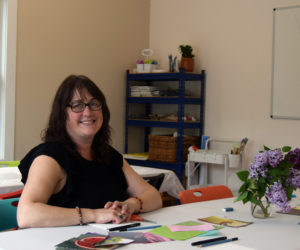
[293, 211]
[225, 222]
[137, 156]
[93, 241]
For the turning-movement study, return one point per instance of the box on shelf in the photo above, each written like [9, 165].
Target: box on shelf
[164, 147]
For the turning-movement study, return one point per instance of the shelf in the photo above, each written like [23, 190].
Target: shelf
[166, 76]
[165, 100]
[182, 79]
[163, 124]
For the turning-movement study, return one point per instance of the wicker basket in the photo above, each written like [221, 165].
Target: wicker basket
[164, 147]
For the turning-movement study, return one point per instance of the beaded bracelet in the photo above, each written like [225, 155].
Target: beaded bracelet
[140, 201]
[78, 209]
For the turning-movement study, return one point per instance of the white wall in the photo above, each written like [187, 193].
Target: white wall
[232, 40]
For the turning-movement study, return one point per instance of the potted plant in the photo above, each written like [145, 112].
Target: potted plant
[187, 57]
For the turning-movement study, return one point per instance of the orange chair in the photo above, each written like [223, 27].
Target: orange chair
[204, 194]
[14, 194]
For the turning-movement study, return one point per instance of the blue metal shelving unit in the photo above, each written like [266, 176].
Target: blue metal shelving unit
[180, 77]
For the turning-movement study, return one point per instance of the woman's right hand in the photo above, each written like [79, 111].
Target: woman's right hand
[106, 215]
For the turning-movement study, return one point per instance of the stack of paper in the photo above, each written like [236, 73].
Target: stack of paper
[137, 156]
[145, 91]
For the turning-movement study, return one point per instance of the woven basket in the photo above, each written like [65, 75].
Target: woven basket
[164, 147]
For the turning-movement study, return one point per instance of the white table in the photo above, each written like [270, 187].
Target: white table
[10, 179]
[280, 232]
[171, 184]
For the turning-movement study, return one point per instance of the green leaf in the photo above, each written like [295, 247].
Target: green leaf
[289, 192]
[245, 200]
[243, 175]
[286, 149]
[243, 188]
[252, 199]
[242, 196]
[266, 148]
[252, 184]
[274, 172]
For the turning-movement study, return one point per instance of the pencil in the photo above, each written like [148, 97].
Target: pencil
[218, 242]
[196, 243]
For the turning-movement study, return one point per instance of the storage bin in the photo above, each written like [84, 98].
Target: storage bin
[164, 147]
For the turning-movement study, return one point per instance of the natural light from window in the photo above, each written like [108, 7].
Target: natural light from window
[8, 30]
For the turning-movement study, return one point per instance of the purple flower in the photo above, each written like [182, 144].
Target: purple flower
[277, 195]
[294, 158]
[274, 157]
[294, 178]
[256, 170]
[259, 167]
[261, 159]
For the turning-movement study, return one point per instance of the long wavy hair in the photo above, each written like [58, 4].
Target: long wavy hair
[56, 130]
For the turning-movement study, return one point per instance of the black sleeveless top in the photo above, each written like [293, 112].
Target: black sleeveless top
[88, 184]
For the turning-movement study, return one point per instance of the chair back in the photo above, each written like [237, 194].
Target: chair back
[9, 163]
[204, 194]
[156, 180]
[14, 194]
[8, 214]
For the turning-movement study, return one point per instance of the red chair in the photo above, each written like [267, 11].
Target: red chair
[14, 194]
[204, 194]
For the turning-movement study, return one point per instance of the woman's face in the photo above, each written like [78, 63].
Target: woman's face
[83, 126]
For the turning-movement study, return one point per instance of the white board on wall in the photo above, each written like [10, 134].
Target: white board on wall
[285, 96]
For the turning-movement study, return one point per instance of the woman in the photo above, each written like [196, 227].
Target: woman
[75, 176]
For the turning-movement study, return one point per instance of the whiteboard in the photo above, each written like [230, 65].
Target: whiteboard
[285, 96]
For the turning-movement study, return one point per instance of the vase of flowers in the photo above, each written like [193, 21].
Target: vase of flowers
[263, 210]
[271, 179]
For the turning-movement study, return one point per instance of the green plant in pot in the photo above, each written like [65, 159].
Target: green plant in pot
[187, 57]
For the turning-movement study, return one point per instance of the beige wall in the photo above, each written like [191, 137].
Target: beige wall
[232, 40]
[55, 38]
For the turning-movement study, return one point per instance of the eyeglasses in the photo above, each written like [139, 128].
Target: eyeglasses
[78, 107]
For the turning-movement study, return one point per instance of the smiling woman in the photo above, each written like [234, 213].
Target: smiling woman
[67, 177]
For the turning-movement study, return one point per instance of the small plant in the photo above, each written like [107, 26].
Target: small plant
[186, 51]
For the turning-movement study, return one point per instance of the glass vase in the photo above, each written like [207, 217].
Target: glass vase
[261, 211]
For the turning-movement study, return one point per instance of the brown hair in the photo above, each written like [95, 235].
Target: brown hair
[56, 130]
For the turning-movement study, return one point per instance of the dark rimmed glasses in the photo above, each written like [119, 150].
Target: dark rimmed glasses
[78, 107]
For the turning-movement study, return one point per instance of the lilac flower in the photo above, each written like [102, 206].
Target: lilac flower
[261, 159]
[259, 167]
[257, 170]
[294, 158]
[277, 195]
[279, 171]
[274, 157]
[294, 178]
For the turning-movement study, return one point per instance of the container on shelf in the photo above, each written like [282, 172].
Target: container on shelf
[164, 147]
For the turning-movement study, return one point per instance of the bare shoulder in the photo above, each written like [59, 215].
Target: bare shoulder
[46, 171]
[45, 163]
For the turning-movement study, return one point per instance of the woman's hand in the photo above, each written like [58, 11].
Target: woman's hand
[106, 215]
[126, 210]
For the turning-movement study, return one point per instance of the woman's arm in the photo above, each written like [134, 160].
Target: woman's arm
[148, 198]
[46, 178]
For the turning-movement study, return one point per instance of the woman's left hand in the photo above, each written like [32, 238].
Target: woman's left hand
[126, 209]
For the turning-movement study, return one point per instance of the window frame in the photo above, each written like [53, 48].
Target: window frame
[8, 78]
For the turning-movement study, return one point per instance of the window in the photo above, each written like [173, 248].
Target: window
[8, 30]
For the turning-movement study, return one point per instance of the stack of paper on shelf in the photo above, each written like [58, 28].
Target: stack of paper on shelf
[145, 91]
